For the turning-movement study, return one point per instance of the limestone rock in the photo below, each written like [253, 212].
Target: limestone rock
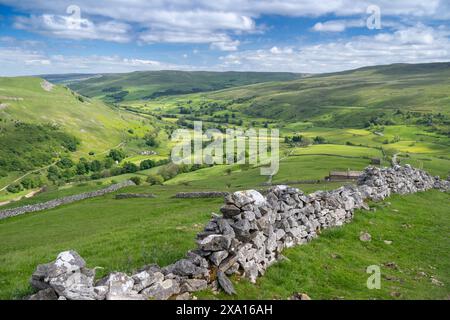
[46, 294]
[243, 198]
[217, 257]
[230, 210]
[225, 283]
[192, 285]
[162, 290]
[145, 279]
[37, 280]
[365, 237]
[187, 268]
[215, 242]
[120, 286]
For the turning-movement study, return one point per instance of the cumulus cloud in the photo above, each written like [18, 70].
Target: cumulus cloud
[338, 25]
[201, 21]
[222, 25]
[418, 44]
[36, 62]
[74, 28]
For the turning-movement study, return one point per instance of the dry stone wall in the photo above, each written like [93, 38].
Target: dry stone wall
[204, 194]
[65, 200]
[246, 239]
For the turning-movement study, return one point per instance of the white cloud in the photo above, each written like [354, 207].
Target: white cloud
[338, 25]
[19, 61]
[219, 41]
[202, 21]
[78, 29]
[418, 44]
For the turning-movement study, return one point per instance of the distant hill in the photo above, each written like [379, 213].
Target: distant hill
[347, 98]
[153, 84]
[68, 78]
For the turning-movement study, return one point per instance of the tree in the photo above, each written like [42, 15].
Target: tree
[169, 171]
[83, 167]
[53, 173]
[31, 182]
[65, 163]
[108, 163]
[136, 180]
[147, 164]
[150, 140]
[96, 166]
[319, 140]
[14, 188]
[155, 179]
[116, 155]
[130, 167]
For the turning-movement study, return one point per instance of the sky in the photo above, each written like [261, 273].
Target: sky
[305, 36]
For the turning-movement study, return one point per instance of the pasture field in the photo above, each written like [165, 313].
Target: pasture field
[126, 234]
[333, 267]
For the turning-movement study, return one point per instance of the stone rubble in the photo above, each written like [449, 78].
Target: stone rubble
[247, 239]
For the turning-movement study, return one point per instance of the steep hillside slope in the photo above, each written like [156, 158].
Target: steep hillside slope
[97, 126]
[153, 84]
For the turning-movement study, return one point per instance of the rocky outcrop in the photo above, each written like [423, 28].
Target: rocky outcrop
[247, 239]
[65, 200]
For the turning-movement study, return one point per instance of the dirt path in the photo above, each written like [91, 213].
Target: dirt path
[27, 196]
[115, 147]
[28, 173]
[269, 180]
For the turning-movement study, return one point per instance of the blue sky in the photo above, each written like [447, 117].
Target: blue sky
[308, 36]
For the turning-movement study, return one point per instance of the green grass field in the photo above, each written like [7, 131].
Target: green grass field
[126, 234]
[334, 265]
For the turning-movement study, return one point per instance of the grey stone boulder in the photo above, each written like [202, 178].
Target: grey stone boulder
[215, 242]
[46, 294]
[67, 275]
[75, 286]
[197, 258]
[225, 283]
[37, 280]
[66, 262]
[145, 279]
[162, 290]
[192, 285]
[217, 257]
[120, 287]
[225, 227]
[230, 210]
[186, 268]
[242, 229]
[243, 198]
[365, 237]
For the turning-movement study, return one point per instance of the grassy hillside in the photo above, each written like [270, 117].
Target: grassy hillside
[97, 126]
[382, 94]
[126, 234]
[334, 265]
[153, 84]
